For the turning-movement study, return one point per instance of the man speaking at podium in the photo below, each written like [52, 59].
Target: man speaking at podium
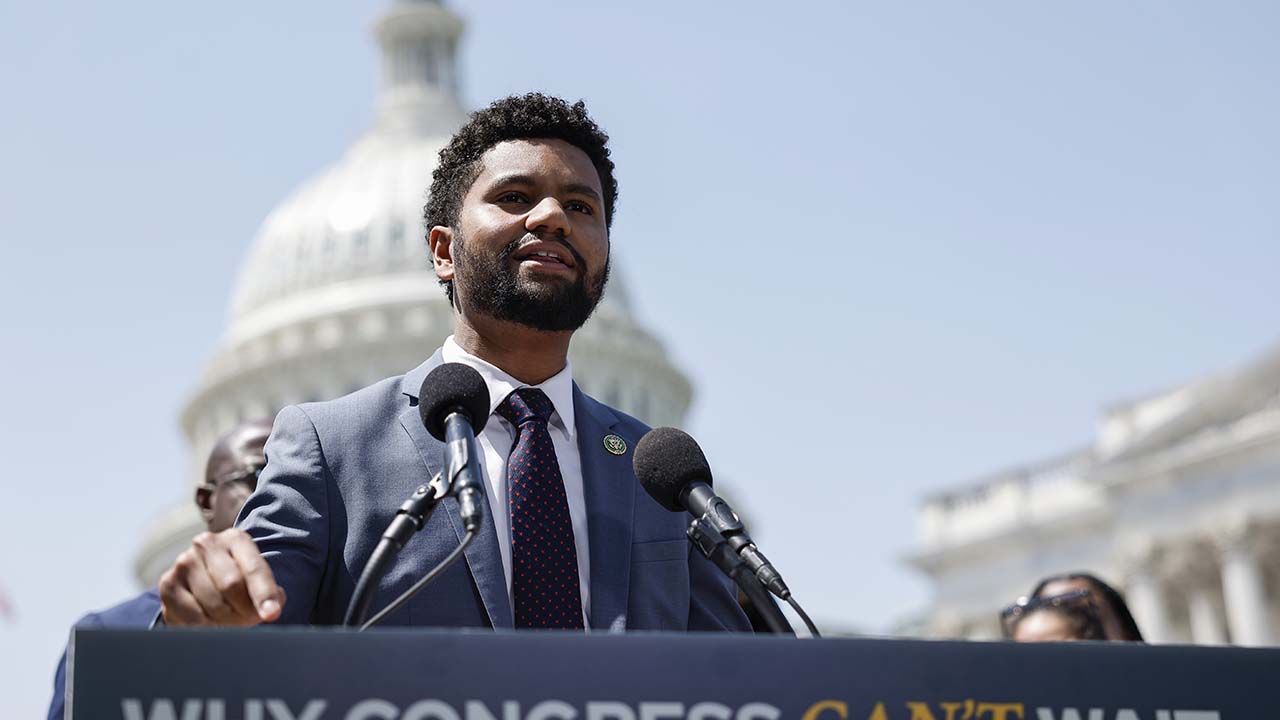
[518, 216]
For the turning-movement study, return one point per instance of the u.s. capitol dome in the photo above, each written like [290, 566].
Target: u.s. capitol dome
[337, 290]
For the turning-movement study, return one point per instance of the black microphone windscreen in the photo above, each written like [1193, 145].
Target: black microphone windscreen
[666, 461]
[453, 387]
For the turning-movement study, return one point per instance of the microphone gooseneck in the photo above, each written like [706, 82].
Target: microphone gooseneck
[453, 403]
[674, 471]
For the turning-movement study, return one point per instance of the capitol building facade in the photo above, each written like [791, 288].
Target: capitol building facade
[1177, 503]
[337, 290]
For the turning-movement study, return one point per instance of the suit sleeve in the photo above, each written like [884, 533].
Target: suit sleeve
[713, 602]
[57, 704]
[287, 516]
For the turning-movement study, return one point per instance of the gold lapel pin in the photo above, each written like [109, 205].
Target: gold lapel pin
[615, 444]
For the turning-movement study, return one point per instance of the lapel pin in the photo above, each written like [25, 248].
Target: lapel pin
[615, 444]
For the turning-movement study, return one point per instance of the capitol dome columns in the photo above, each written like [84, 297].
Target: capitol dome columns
[419, 40]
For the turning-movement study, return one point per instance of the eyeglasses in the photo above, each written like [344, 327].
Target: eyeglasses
[249, 476]
[204, 491]
[1076, 602]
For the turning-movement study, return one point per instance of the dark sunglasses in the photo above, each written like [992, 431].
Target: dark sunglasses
[1080, 601]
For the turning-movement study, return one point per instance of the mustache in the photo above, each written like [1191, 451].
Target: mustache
[558, 238]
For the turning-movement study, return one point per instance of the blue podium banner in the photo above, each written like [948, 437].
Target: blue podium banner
[328, 674]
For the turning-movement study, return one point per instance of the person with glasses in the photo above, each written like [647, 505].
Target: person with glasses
[231, 476]
[1078, 592]
[1053, 618]
[1117, 622]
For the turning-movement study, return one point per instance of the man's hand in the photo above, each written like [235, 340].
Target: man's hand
[220, 580]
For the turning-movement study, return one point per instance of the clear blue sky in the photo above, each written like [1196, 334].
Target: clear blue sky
[940, 236]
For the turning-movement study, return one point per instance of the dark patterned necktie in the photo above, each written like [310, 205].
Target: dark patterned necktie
[544, 560]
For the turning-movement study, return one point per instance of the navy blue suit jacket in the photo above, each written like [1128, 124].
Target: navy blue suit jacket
[136, 612]
[336, 472]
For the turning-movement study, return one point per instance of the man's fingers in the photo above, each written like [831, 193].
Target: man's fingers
[178, 606]
[225, 575]
[266, 596]
[183, 611]
[201, 586]
[221, 579]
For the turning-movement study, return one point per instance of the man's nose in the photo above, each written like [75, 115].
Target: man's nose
[548, 217]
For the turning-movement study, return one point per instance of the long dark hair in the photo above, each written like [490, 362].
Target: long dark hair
[1107, 595]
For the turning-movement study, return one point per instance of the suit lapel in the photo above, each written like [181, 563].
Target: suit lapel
[483, 558]
[609, 485]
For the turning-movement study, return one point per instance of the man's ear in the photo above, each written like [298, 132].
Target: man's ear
[204, 501]
[440, 241]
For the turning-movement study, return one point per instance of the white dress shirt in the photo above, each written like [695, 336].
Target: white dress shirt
[496, 441]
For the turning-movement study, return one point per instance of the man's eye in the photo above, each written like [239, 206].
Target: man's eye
[510, 197]
[581, 207]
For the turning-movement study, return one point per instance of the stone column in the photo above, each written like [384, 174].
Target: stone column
[1243, 588]
[1145, 594]
[1193, 567]
[1206, 624]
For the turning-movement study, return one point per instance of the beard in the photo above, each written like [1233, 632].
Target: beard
[492, 286]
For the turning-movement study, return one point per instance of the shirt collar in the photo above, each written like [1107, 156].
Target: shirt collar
[558, 387]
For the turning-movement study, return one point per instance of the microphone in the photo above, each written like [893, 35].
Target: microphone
[674, 472]
[454, 406]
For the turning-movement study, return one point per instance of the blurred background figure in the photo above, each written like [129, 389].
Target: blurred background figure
[1053, 618]
[1070, 606]
[231, 476]
[1117, 621]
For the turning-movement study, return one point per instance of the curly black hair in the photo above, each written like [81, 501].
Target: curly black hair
[517, 117]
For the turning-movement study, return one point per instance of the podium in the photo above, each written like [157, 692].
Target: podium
[330, 674]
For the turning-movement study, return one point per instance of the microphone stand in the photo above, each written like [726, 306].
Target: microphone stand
[463, 482]
[714, 547]
[410, 518]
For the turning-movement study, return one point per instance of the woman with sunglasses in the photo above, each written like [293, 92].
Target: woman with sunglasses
[1117, 621]
[1105, 602]
[1053, 618]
